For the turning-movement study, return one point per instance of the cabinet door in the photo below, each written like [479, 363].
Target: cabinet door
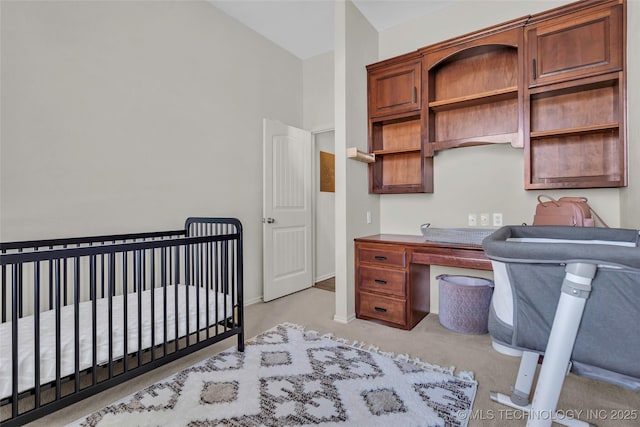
[394, 89]
[577, 45]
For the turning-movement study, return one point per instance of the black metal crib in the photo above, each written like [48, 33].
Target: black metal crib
[80, 315]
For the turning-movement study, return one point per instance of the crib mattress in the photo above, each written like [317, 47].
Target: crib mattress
[220, 307]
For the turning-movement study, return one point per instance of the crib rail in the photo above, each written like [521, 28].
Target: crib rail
[93, 312]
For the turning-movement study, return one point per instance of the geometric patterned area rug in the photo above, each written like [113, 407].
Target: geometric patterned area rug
[291, 377]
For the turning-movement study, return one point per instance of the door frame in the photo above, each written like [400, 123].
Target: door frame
[315, 181]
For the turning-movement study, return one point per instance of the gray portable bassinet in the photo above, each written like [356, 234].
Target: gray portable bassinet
[572, 294]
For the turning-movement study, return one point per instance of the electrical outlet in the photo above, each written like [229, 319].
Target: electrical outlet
[484, 219]
[368, 217]
[497, 219]
[472, 220]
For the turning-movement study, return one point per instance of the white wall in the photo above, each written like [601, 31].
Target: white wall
[318, 98]
[130, 116]
[630, 196]
[356, 45]
[491, 178]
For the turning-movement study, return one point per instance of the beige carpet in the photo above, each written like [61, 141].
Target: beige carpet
[292, 375]
[314, 309]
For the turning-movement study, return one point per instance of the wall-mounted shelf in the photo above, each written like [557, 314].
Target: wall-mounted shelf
[475, 99]
[396, 151]
[503, 138]
[361, 156]
[474, 90]
[576, 131]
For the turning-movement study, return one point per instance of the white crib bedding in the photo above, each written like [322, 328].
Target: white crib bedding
[26, 348]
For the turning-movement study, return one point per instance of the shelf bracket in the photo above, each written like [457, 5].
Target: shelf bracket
[361, 156]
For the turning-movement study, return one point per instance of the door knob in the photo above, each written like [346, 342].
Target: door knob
[268, 220]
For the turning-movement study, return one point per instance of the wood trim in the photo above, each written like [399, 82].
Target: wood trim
[476, 35]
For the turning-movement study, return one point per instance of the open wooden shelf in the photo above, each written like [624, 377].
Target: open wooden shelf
[400, 165]
[475, 99]
[576, 131]
[504, 138]
[475, 91]
[396, 151]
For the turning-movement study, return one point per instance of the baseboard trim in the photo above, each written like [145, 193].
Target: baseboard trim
[324, 277]
[344, 320]
[252, 301]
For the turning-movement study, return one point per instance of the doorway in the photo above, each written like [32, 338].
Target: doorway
[324, 216]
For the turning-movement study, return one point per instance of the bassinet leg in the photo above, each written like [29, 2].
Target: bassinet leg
[526, 372]
[519, 398]
[575, 291]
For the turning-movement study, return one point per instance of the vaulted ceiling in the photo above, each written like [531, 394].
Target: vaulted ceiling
[306, 27]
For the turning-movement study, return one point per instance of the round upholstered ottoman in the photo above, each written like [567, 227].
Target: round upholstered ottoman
[464, 303]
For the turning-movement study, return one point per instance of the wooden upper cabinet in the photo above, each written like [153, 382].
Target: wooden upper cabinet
[553, 83]
[579, 44]
[395, 127]
[394, 86]
[575, 100]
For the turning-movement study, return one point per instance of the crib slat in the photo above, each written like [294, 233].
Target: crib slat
[94, 320]
[137, 284]
[215, 279]
[36, 332]
[112, 290]
[165, 326]
[206, 284]
[20, 290]
[187, 275]
[225, 279]
[196, 284]
[76, 315]
[64, 280]
[125, 324]
[4, 293]
[14, 339]
[58, 324]
[177, 270]
[51, 284]
[153, 304]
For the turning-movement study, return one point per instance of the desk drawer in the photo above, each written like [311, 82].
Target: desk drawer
[382, 308]
[383, 256]
[383, 280]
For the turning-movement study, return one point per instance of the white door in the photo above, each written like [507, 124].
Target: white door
[287, 213]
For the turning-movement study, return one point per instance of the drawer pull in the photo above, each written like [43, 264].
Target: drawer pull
[380, 309]
[380, 282]
[380, 258]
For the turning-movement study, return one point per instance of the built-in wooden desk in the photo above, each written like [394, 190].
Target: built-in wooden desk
[393, 275]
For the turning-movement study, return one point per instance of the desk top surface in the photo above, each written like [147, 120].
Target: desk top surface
[414, 241]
